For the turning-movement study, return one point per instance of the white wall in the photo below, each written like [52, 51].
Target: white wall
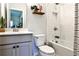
[46, 23]
[37, 23]
[33, 22]
[50, 21]
[3, 10]
[64, 22]
[67, 24]
[0, 9]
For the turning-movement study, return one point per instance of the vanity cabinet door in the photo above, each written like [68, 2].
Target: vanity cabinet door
[24, 49]
[7, 50]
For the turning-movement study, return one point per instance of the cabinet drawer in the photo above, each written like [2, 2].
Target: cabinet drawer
[15, 39]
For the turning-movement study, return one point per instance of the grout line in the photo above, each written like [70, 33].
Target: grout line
[76, 30]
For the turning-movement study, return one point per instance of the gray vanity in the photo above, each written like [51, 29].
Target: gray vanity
[16, 43]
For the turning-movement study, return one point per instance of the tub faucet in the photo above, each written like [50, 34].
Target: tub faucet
[55, 28]
[57, 37]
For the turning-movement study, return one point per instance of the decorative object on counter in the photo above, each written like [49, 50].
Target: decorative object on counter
[37, 9]
[2, 29]
[2, 24]
[15, 30]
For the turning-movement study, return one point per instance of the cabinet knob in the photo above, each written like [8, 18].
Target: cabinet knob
[17, 46]
[13, 46]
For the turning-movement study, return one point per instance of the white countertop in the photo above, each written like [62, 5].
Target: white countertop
[16, 33]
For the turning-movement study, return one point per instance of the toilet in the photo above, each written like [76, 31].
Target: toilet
[44, 50]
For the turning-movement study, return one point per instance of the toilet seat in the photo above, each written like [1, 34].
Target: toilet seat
[46, 49]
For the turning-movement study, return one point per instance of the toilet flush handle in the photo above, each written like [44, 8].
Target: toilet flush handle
[35, 37]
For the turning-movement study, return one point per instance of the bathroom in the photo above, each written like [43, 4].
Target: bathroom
[54, 22]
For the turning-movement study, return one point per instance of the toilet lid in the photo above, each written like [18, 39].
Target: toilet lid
[46, 49]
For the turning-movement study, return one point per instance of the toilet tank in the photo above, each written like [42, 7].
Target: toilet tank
[39, 39]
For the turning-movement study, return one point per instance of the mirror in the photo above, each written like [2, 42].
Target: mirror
[16, 15]
[16, 18]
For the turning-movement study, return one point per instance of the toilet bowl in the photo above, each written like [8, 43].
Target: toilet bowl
[44, 50]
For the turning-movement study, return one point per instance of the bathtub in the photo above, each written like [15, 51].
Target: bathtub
[61, 50]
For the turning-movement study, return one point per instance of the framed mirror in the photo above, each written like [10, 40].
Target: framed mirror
[16, 19]
[16, 15]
